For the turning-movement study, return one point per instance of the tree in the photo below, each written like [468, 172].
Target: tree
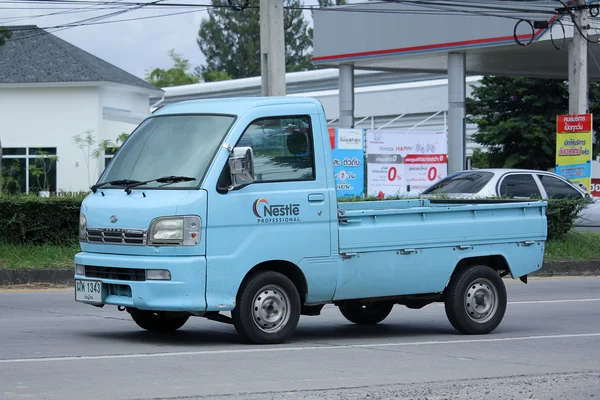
[516, 119]
[40, 168]
[86, 142]
[479, 159]
[174, 76]
[5, 34]
[230, 41]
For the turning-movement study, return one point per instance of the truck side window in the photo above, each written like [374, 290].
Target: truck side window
[282, 147]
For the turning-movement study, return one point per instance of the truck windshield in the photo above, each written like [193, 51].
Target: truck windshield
[175, 145]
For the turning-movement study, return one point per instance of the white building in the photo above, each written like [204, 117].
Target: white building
[51, 91]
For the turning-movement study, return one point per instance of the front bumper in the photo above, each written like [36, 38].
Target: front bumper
[184, 292]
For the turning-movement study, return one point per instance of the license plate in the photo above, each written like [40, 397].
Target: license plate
[88, 291]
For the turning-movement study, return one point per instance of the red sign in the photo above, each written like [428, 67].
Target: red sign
[579, 123]
[426, 159]
[595, 190]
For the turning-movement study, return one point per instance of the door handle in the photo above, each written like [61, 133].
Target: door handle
[316, 197]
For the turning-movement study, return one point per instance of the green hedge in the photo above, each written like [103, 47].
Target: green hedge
[39, 220]
[561, 215]
[54, 220]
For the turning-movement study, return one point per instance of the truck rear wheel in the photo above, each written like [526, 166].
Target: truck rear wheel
[366, 313]
[475, 300]
[155, 321]
[268, 308]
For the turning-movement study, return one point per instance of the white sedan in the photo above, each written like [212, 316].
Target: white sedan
[516, 184]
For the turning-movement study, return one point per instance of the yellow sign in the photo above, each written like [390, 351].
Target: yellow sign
[574, 149]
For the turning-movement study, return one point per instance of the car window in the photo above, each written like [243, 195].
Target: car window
[465, 182]
[557, 189]
[519, 186]
[282, 147]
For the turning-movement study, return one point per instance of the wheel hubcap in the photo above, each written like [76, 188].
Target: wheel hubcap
[271, 309]
[481, 300]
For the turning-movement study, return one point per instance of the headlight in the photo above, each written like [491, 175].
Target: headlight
[175, 231]
[82, 226]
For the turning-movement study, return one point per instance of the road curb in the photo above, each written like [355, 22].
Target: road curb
[64, 276]
[26, 276]
[569, 268]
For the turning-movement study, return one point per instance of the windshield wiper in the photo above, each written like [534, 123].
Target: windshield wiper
[118, 182]
[164, 179]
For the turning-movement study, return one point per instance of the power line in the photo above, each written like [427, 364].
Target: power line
[67, 11]
[428, 7]
[355, 8]
[87, 21]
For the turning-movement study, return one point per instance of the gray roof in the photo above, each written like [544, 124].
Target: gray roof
[33, 55]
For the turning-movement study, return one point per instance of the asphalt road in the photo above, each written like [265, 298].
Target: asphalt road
[548, 347]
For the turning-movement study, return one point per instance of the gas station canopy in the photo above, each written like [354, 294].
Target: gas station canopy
[419, 35]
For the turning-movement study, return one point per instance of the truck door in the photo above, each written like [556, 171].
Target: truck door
[283, 215]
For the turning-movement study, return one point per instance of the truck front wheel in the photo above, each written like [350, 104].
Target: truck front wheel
[155, 321]
[268, 308]
[475, 300]
[366, 313]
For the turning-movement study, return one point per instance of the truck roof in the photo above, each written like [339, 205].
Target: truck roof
[233, 105]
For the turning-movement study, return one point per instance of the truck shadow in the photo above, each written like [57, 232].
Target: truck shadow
[199, 335]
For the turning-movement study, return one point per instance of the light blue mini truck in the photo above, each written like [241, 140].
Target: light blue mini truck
[229, 205]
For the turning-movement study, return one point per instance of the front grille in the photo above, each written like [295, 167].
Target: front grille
[118, 274]
[119, 290]
[116, 236]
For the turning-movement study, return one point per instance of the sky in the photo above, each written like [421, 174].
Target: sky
[135, 46]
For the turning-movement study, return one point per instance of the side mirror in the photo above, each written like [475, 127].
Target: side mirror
[241, 166]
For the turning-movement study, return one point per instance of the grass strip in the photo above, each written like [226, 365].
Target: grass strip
[32, 256]
[575, 246]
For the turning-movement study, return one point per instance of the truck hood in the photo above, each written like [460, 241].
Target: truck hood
[115, 209]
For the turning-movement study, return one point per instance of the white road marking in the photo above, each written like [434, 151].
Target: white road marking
[304, 348]
[553, 301]
[440, 304]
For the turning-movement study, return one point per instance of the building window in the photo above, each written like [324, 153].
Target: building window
[108, 156]
[28, 169]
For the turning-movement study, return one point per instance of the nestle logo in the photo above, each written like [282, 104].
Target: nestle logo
[276, 212]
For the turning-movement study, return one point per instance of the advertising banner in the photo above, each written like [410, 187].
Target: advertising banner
[348, 161]
[574, 148]
[404, 163]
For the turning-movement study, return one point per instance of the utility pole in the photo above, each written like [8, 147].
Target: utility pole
[578, 63]
[272, 48]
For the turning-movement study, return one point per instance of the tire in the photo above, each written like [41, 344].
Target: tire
[367, 313]
[267, 309]
[484, 285]
[156, 321]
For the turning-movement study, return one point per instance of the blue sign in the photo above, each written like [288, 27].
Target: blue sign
[348, 162]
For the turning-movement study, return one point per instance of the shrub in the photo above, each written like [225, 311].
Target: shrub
[561, 215]
[39, 220]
